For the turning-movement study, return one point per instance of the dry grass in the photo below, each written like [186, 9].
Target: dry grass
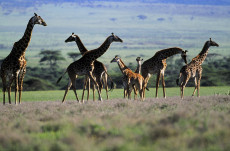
[157, 124]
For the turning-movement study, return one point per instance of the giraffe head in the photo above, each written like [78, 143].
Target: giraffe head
[138, 59]
[184, 56]
[115, 59]
[212, 43]
[71, 38]
[38, 20]
[114, 38]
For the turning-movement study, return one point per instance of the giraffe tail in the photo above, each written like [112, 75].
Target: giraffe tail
[177, 80]
[112, 83]
[59, 79]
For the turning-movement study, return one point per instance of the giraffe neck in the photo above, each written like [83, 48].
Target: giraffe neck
[21, 46]
[80, 45]
[165, 53]
[96, 53]
[203, 54]
[122, 66]
[138, 70]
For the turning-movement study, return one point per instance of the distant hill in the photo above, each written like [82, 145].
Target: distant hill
[7, 6]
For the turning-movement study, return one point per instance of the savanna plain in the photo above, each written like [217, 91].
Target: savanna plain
[193, 123]
[43, 123]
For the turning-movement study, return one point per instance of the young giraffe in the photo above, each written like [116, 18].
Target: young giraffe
[157, 64]
[139, 61]
[13, 67]
[138, 70]
[84, 66]
[100, 71]
[130, 78]
[194, 69]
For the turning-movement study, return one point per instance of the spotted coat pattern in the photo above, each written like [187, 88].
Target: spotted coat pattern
[13, 67]
[194, 69]
[157, 65]
[84, 66]
[99, 72]
[130, 79]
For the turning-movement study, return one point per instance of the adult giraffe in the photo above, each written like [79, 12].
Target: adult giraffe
[13, 67]
[194, 69]
[100, 71]
[84, 66]
[157, 65]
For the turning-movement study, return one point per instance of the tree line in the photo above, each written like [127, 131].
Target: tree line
[215, 72]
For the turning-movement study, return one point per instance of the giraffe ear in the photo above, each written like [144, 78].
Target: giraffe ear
[35, 14]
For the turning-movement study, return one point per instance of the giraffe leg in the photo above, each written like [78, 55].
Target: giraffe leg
[135, 92]
[138, 87]
[16, 88]
[9, 88]
[125, 89]
[145, 84]
[93, 92]
[99, 82]
[163, 84]
[22, 75]
[84, 87]
[4, 88]
[195, 81]
[105, 81]
[157, 83]
[67, 89]
[182, 92]
[141, 90]
[95, 83]
[88, 88]
[198, 83]
[130, 88]
[183, 84]
[73, 80]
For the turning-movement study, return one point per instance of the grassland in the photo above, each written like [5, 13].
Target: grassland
[42, 123]
[194, 124]
[55, 95]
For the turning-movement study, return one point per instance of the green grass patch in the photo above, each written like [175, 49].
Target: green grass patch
[57, 95]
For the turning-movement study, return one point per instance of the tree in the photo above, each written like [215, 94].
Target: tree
[51, 57]
[74, 55]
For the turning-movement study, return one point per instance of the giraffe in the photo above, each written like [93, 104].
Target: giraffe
[194, 69]
[84, 66]
[138, 70]
[130, 78]
[100, 71]
[139, 61]
[13, 67]
[157, 65]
